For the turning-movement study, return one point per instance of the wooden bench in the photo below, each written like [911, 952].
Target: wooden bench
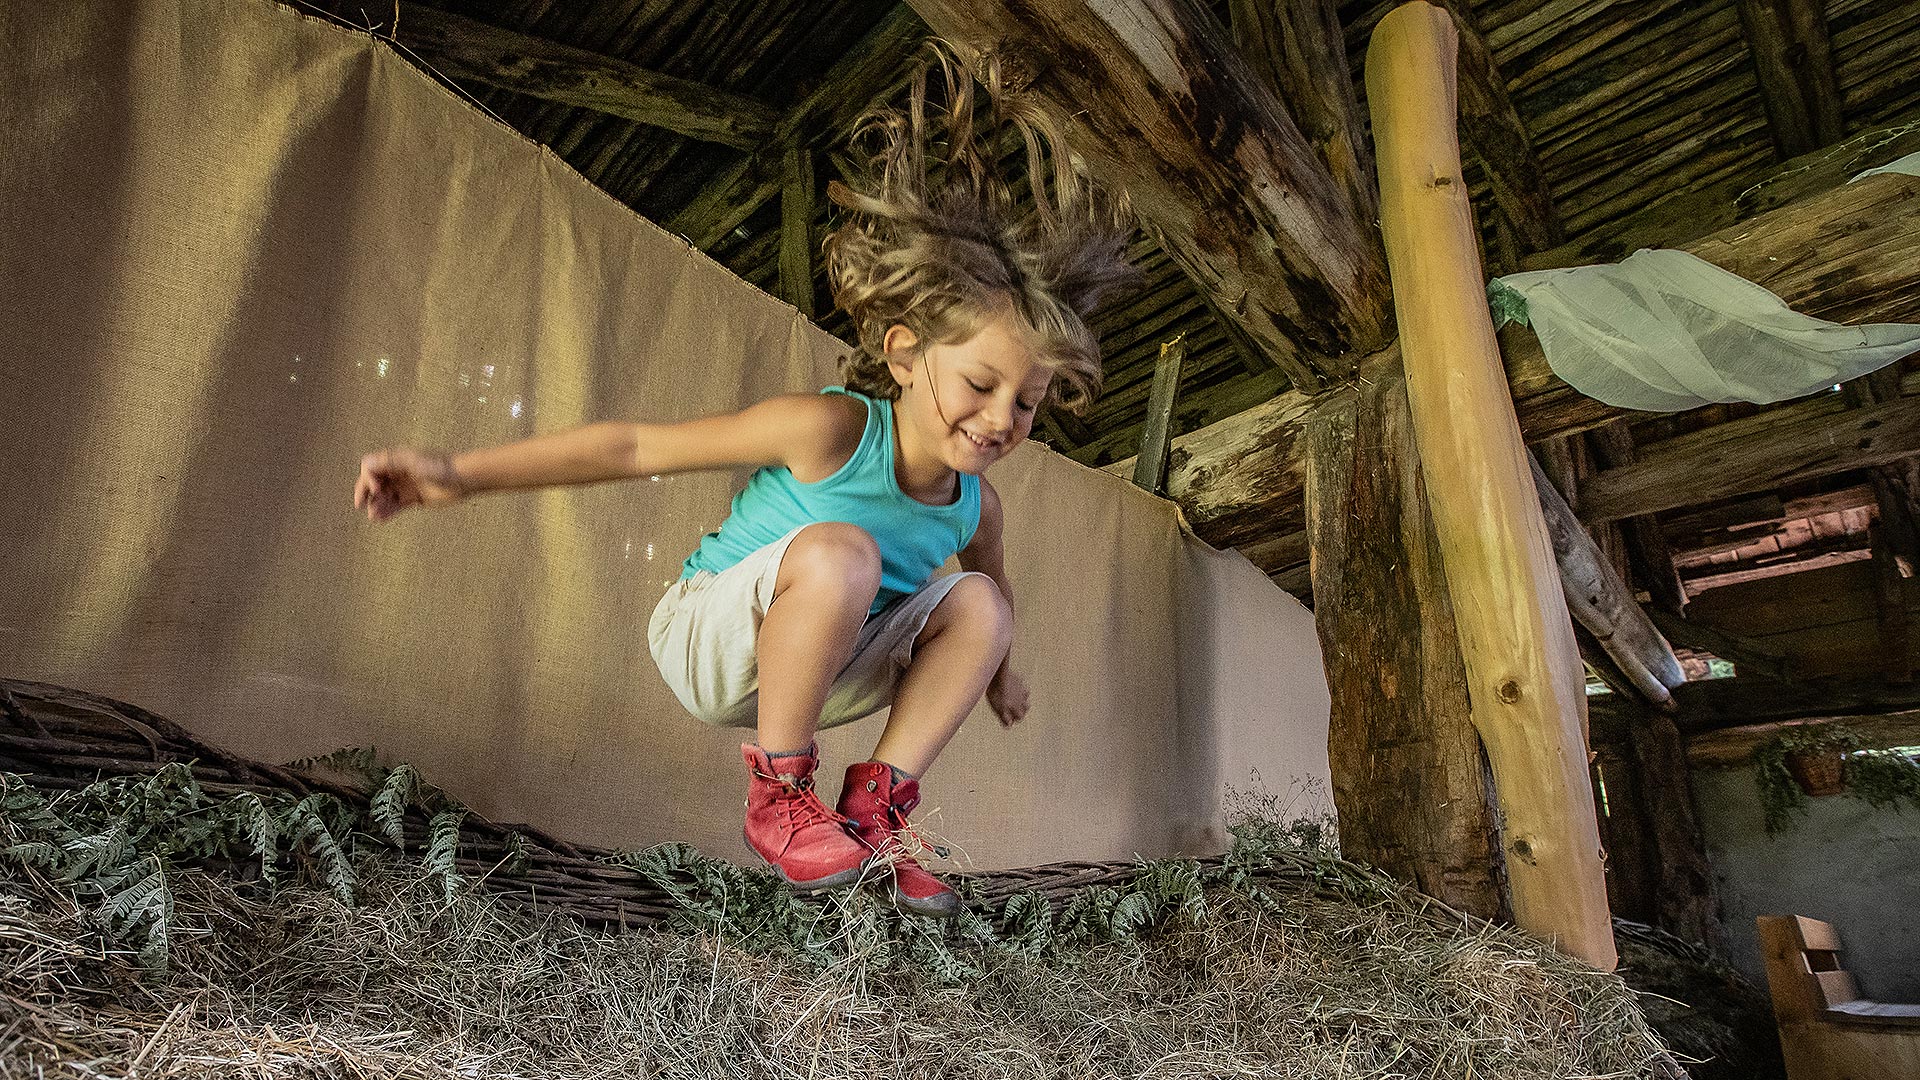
[1827, 1030]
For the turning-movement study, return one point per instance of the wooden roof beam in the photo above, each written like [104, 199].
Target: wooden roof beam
[1793, 59]
[1153, 94]
[1296, 47]
[1802, 441]
[464, 48]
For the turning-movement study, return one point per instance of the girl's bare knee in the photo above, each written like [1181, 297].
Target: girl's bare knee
[976, 604]
[833, 555]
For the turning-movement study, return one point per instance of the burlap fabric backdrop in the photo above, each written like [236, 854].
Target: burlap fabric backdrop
[242, 246]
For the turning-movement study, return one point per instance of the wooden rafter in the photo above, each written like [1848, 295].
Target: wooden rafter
[796, 229]
[1793, 59]
[876, 64]
[1296, 48]
[1712, 208]
[1211, 159]
[464, 48]
[1498, 138]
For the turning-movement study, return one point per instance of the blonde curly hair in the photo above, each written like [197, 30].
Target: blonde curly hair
[941, 256]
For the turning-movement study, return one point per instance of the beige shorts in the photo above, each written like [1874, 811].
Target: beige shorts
[705, 635]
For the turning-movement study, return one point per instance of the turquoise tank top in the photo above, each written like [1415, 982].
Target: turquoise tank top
[914, 538]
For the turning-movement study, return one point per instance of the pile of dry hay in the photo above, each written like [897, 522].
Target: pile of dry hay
[412, 983]
[202, 916]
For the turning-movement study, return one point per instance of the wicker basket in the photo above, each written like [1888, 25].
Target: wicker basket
[1819, 772]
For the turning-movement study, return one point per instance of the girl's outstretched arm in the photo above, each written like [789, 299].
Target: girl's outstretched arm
[1007, 693]
[804, 432]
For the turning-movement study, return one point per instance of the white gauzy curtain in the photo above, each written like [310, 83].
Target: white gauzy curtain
[1663, 330]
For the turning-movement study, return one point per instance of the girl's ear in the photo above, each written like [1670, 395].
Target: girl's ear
[902, 347]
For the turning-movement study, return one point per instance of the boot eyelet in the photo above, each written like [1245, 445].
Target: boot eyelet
[873, 785]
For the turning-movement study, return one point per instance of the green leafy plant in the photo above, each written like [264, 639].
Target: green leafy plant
[116, 845]
[1883, 779]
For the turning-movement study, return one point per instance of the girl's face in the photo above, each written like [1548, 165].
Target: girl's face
[970, 403]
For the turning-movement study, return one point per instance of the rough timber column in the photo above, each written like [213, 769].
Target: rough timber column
[1523, 666]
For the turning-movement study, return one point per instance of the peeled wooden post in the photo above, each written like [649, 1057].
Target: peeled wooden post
[1523, 665]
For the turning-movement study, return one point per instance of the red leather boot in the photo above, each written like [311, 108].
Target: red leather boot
[878, 807]
[808, 845]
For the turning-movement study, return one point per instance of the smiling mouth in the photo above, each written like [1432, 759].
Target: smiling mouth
[981, 443]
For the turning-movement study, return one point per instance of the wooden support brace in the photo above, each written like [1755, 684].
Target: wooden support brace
[1523, 665]
[1156, 435]
[1601, 602]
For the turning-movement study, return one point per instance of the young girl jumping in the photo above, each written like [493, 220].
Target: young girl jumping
[815, 602]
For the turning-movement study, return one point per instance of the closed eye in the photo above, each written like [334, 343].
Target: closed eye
[977, 388]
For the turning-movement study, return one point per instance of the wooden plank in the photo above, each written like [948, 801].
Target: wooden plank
[1793, 59]
[1746, 655]
[1210, 158]
[1712, 704]
[464, 48]
[1150, 465]
[796, 230]
[1523, 666]
[1784, 446]
[1825, 597]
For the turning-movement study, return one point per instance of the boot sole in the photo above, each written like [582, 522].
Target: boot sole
[932, 909]
[831, 881]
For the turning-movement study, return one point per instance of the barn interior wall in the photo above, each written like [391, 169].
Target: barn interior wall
[245, 246]
[1845, 863]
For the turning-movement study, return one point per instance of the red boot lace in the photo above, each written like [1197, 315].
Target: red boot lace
[801, 806]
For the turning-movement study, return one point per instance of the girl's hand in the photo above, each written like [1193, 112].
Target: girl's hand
[1007, 696]
[393, 479]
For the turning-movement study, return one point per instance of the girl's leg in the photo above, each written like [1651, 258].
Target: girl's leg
[826, 582]
[954, 658]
